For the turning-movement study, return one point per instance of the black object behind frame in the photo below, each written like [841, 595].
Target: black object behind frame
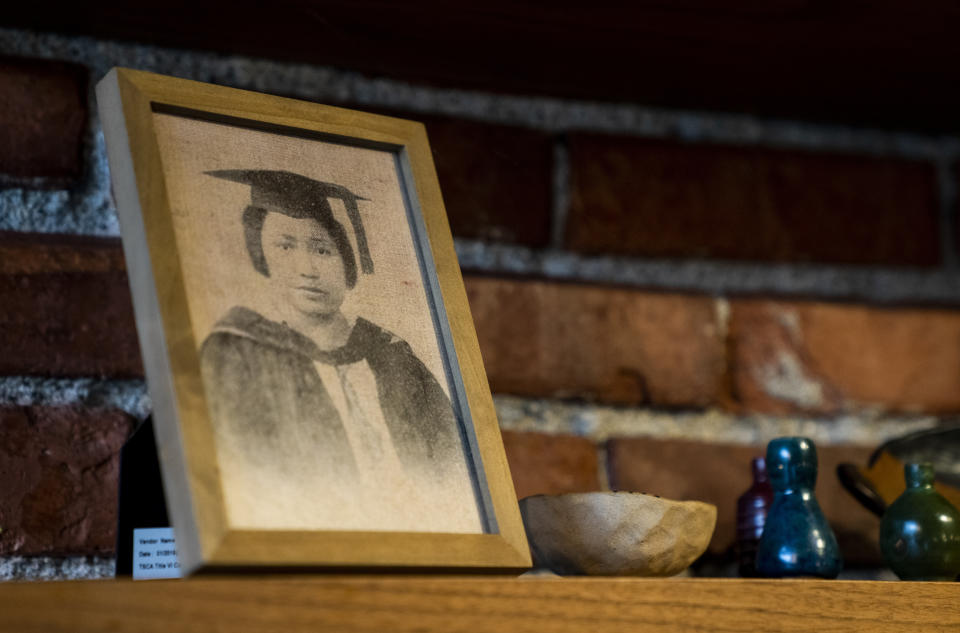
[141, 499]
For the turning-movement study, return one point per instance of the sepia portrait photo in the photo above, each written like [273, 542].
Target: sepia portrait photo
[325, 372]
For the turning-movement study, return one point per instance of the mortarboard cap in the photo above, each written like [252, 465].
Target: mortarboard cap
[304, 196]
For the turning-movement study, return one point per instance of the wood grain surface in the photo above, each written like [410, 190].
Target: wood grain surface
[470, 604]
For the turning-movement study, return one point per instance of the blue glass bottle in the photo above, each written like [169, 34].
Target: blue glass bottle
[797, 540]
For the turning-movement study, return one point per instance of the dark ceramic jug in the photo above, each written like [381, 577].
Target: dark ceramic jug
[920, 531]
[797, 540]
[752, 508]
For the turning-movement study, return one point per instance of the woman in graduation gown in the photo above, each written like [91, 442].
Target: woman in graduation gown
[320, 418]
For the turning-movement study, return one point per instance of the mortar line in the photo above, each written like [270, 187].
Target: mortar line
[128, 395]
[546, 113]
[947, 174]
[561, 193]
[603, 422]
[36, 568]
[603, 465]
[893, 286]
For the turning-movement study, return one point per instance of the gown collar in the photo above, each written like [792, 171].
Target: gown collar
[245, 322]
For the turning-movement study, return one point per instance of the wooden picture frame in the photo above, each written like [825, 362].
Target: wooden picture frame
[159, 132]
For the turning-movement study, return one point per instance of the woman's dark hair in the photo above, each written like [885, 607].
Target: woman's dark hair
[253, 218]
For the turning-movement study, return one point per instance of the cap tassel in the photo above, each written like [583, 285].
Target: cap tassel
[366, 262]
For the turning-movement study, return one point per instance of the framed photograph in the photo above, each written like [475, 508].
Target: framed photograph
[319, 396]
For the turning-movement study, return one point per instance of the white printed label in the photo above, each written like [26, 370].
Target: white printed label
[154, 554]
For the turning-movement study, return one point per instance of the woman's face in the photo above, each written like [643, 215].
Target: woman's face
[305, 263]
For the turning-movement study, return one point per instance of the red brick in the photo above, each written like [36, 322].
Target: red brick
[59, 468]
[719, 473]
[615, 345]
[667, 199]
[30, 253]
[551, 464]
[496, 180]
[824, 358]
[65, 308]
[43, 114]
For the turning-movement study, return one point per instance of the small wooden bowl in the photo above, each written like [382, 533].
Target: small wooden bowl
[616, 533]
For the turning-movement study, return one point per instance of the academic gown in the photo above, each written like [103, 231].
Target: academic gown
[272, 412]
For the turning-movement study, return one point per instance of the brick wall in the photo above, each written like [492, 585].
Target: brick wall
[656, 293]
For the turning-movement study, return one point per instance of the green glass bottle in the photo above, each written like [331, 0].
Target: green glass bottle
[920, 531]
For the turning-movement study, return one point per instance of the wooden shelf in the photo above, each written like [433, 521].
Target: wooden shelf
[393, 604]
